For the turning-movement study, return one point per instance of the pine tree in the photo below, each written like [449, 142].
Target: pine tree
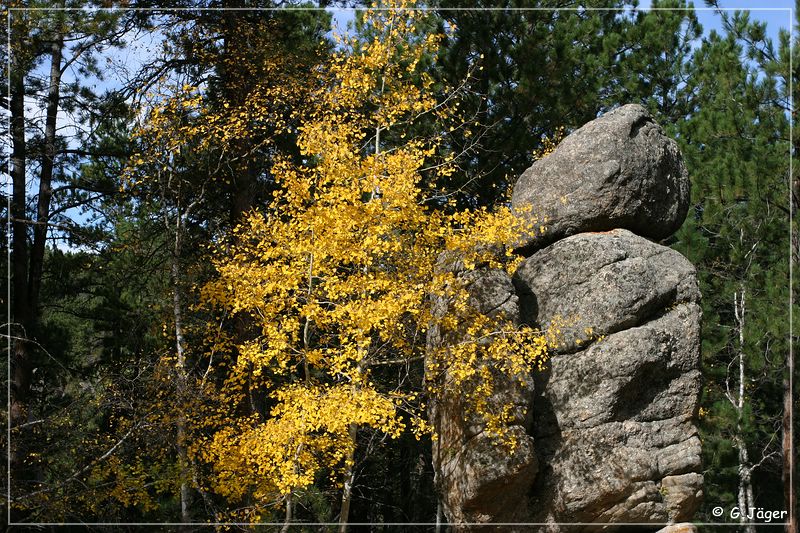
[43, 156]
[736, 148]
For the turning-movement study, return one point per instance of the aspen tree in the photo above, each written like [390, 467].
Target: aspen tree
[337, 276]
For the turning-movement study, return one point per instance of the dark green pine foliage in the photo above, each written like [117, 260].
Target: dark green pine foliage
[532, 71]
[101, 317]
[539, 66]
[735, 142]
[653, 68]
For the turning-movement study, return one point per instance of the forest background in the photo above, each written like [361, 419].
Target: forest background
[138, 141]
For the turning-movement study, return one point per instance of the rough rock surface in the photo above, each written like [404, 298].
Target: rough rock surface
[479, 481]
[604, 281]
[612, 419]
[609, 434]
[613, 423]
[618, 171]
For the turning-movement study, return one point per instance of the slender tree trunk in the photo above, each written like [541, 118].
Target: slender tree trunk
[787, 440]
[22, 313]
[180, 369]
[787, 449]
[28, 263]
[287, 521]
[46, 175]
[745, 494]
[349, 479]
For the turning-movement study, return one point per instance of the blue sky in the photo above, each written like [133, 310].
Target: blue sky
[774, 12]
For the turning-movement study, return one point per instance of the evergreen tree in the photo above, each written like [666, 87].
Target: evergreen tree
[735, 145]
[540, 69]
[49, 44]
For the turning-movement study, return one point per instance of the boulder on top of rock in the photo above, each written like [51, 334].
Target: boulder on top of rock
[605, 432]
[618, 171]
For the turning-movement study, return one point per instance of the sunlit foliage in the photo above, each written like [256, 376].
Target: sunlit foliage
[338, 275]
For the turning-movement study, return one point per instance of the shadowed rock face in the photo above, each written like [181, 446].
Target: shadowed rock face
[609, 436]
[618, 171]
[482, 482]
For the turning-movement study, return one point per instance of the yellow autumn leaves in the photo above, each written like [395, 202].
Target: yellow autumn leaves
[337, 277]
[306, 432]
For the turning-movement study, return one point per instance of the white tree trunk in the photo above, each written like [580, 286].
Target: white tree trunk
[180, 370]
[349, 479]
[287, 521]
[745, 495]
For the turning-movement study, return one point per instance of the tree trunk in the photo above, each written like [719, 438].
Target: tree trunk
[745, 495]
[46, 176]
[28, 263]
[349, 479]
[180, 369]
[245, 177]
[787, 449]
[287, 521]
[22, 313]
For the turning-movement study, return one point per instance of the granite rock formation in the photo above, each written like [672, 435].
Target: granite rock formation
[484, 483]
[618, 171]
[608, 436]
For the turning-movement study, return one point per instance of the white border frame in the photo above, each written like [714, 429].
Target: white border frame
[789, 11]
